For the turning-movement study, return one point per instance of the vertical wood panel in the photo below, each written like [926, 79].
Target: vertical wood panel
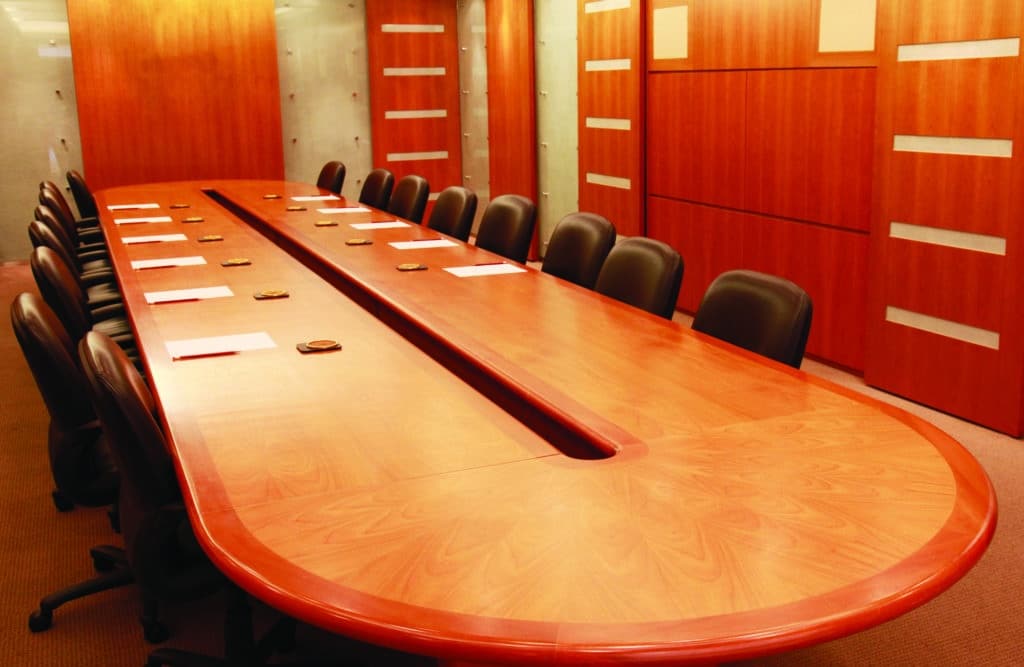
[613, 35]
[419, 92]
[172, 89]
[972, 98]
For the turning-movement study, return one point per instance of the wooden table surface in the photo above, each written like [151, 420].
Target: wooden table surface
[674, 500]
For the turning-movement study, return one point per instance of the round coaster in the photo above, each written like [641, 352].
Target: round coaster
[358, 242]
[322, 344]
[272, 293]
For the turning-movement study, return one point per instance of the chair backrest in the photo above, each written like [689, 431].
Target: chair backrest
[51, 201]
[506, 227]
[55, 195]
[43, 234]
[83, 196]
[53, 360]
[60, 291]
[453, 212]
[409, 198]
[578, 247]
[758, 312]
[376, 191]
[332, 177]
[644, 273]
[148, 484]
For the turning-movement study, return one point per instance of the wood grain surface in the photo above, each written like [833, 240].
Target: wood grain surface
[747, 508]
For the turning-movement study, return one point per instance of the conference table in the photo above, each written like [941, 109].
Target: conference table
[501, 467]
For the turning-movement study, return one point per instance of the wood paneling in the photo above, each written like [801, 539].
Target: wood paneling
[830, 264]
[511, 101]
[748, 34]
[971, 98]
[696, 147]
[809, 138]
[418, 92]
[613, 35]
[173, 89]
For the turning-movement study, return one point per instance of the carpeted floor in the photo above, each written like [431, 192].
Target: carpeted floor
[980, 621]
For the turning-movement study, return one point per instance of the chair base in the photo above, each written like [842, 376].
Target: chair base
[112, 565]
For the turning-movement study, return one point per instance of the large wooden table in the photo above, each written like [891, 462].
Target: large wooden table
[516, 470]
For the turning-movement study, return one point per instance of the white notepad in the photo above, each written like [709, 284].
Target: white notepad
[137, 221]
[484, 270]
[202, 347]
[193, 260]
[316, 198]
[154, 238]
[193, 294]
[129, 207]
[343, 209]
[389, 224]
[419, 245]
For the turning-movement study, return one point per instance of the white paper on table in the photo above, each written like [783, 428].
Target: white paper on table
[387, 224]
[136, 221]
[484, 270]
[344, 209]
[129, 207]
[202, 347]
[192, 260]
[192, 294]
[426, 243]
[316, 198]
[155, 238]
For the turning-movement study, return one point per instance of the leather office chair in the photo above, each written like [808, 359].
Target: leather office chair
[758, 312]
[99, 286]
[162, 552]
[506, 227]
[87, 224]
[89, 237]
[332, 177]
[644, 273]
[453, 212]
[83, 471]
[82, 195]
[376, 191]
[409, 198]
[86, 258]
[63, 295]
[578, 247]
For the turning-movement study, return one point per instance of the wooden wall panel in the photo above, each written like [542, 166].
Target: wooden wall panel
[613, 35]
[972, 293]
[173, 89]
[749, 34]
[831, 264]
[511, 106]
[401, 47]
[697, 147]
[809, 136]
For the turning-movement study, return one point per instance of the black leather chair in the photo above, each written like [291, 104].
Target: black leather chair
[83, 232]
[376, 191]
[453, 212]
[644, 273]
[506, 227]
[99, 286]
[758, 312]
[83, 471]
[409, 198]
[162, 552]
[62, 294]
[332, 177]
[82, 195]
[578, 247]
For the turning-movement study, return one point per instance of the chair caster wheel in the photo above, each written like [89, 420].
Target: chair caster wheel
[40, 620]
[155, 632]
[102, 564]
[62, 502]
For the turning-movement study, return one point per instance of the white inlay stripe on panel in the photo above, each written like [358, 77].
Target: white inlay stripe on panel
[604, 6]
[941, 327]
[914, 143]
[411, 27]
[415, 113]
[414, 71]
[984, 48]
[612, 65]
[426, 155]
[609, 181]
[671, 36]
[609, 123]
[994, 245]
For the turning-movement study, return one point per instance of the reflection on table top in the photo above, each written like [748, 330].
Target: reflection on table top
[674, 500]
